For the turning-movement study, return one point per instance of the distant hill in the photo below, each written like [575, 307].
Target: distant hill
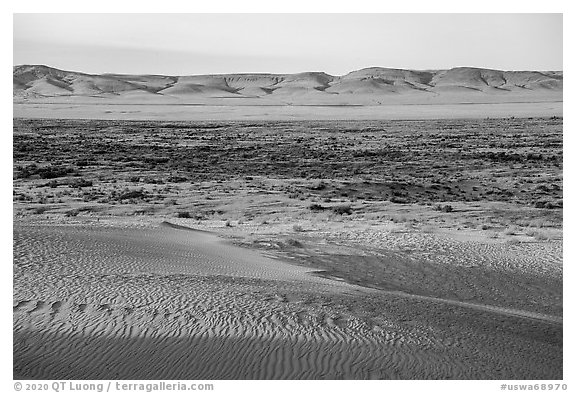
[369, 86]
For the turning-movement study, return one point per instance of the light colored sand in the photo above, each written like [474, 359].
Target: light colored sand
[165, 250]
[131, 111]
[160, 303]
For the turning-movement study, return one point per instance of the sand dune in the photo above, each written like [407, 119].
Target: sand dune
[370, 86]
[163, 302]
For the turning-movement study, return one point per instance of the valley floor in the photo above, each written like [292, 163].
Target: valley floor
[288, 250]
[226, 112]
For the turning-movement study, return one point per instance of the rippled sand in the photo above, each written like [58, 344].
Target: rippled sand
[122, 302]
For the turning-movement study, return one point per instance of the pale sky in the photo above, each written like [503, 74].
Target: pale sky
[186, 44]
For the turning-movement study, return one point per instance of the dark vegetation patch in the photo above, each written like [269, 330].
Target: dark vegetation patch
[342, 209]
[405, 162]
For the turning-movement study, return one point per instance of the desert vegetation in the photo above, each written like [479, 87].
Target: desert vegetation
[444, 236]
[342, 167]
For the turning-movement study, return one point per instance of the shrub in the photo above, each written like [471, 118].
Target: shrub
[82, 183]
[71, 213]
[82, 163]
[294, 243]
[547, 205]
[177, 179]
[40, 210]
[315, 207]
[136, 194]
[342, 209]
[444, 208]
[399, 200]
[170, 202]
[318, 186]
[48, 172]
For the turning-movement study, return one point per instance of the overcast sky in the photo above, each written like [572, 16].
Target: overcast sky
[184, 44]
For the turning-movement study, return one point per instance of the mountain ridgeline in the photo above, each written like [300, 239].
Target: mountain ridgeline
[369, 86]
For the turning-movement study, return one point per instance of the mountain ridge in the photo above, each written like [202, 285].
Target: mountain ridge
[367, 86]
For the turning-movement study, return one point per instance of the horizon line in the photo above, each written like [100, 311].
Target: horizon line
[291, 73]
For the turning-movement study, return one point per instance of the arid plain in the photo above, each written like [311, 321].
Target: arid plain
[255, 249]
[427, 249]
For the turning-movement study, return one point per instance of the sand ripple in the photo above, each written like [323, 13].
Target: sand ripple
[164, 303]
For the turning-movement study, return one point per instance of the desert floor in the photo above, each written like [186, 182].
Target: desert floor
[297, 250]
[225, 112]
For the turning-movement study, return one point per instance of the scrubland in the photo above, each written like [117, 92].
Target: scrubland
[426, 240]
